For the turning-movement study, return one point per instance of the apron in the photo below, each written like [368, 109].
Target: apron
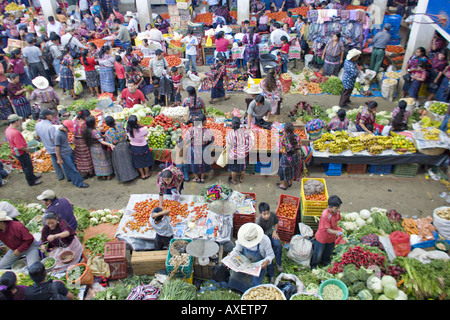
[241, 281]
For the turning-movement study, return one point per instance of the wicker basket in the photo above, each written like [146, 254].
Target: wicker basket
[432, 151]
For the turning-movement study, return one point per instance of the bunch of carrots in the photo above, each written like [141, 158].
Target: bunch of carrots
[42, 161]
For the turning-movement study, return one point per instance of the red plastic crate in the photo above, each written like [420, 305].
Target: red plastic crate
[250, 195]
[285, 236]
[288, 224]
[116, 256]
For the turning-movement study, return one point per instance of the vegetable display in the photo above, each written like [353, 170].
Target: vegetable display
[332, 292]
[332, 86]
[177, 289]
[263, 292]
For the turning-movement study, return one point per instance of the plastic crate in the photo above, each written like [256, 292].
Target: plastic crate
[183, 271]
[250, 195]
[285, 236]
[356, 168]
[380, 168]
[310, 221]
[313, 208]
[209, 61]
[250, 168]
[284, 223]
[116, 256]
[333, 169]
[406, 170]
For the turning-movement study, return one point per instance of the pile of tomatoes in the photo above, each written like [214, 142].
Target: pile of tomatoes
[287, 210]
[199, 212]
[316, 197]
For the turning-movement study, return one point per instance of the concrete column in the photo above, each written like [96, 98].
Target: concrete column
[421, 34]
[48, 8]
[144, 13]
[243, 11]
[382, 4]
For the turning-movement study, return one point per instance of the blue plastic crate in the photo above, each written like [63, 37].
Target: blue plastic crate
[262, 167]
[394, 19]
[380, 168]
[333, 169]
[395, 42]
[209, 60]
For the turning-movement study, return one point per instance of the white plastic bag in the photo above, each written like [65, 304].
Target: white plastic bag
[442, 225]
[290, 277]
[300, 247]
[427, 256]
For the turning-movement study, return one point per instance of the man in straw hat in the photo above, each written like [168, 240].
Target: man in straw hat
[351, 70]
[19, 149]
[44, 94]
[19, 241]
[256, 247]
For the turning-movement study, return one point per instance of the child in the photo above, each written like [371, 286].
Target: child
[158, 99]
[176, 79]
[246, 27]
[262, 23]
[120, 73]
[323, 246]
[418, 77]
[268, 221]
[179, 157]
[284, 53]
[96, 10]
[290, 20]
[160, 221]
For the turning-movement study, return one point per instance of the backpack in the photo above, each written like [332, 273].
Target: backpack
[47, 55]
[55, 294]
[75, 52]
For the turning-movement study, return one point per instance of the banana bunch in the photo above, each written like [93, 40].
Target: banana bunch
[320, 145]
[356, 147]
[431, 133]
[335, 148]
[328, 137]
[376, 149]
[384, 142]
[367, 139]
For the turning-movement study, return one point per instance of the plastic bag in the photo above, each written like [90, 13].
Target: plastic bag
[400, 243]
[98, 266]
[289, 284]
[77, 87]
[300, 247]
[427, 256]
[222, 160]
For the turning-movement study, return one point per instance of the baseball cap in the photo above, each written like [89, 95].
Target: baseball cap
[45, 112]
[69, 125]
[47, 194]
[13, 118]
[387, 26]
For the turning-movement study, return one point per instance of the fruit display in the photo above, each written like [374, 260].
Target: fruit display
[287, 210]
[402, 144]
[430, 133]
[439, 108]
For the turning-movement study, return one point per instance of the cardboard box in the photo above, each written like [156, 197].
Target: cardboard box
[148, 262]
[185, 17]
[173, 11]
[184, 5]
[15, 44]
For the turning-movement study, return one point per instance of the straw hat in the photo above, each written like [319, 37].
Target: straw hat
[250, 234]
[4, 217]
[40, 82]
[254, 89]
[353, 53]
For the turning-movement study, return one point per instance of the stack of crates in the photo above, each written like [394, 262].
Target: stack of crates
[286, 226]
[241, 218]
[311, 209]
[116, 257]
[185, 271]
[395, 21]
[406, 170]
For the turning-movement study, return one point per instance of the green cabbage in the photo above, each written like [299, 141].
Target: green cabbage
[391, 291]
[388, 280]
[365, 295]
[401, 295]
[383, 297]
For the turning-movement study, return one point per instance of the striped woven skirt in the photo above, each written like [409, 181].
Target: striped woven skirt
[92, 79]
[23, 107]
[82, 154]
[290, 170]
[107, 80]
[66, 80]
[5, 108]
[101, 160]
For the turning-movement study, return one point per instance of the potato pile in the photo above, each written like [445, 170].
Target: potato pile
[443, 213]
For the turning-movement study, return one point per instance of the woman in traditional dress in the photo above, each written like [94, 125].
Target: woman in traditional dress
[121, 155]
[199, 138]
[66, 78]
[239, 142]
[194, 102]
[5, 105]
[220, 82]
[106, 62]
[101, 158]
[272, 89]
[82, 154]
[333, 55]
[16, 93]
[92, 76]
[290, 167]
